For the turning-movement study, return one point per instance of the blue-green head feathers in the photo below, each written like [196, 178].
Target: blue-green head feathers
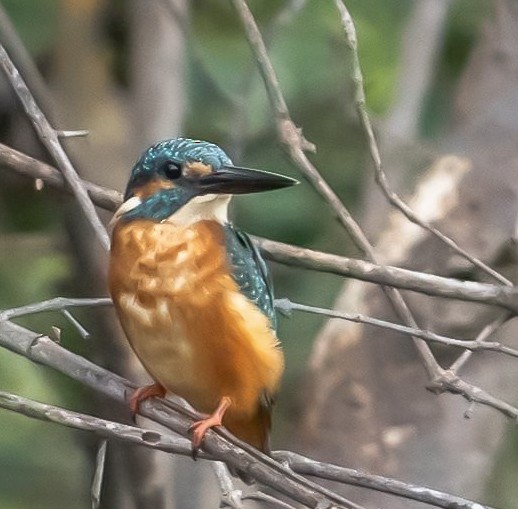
[155, 160]
[171, 173]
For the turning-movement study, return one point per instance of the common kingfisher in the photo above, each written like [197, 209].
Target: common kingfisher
[192, 292]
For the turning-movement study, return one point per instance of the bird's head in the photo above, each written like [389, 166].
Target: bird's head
[189, 178]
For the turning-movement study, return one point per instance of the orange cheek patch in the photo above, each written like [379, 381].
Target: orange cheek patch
[198, 168]
[150, 188]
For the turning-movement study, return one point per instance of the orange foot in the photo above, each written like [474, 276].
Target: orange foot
[199, 428]
[143, 393]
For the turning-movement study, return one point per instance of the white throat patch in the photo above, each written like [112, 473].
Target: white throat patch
[208, 207]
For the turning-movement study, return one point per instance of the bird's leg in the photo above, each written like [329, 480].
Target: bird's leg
[199, 428]
[143, 393]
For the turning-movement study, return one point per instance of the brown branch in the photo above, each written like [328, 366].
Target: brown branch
[173, 414]
[380, 176]
[50, 138]
[353, 477]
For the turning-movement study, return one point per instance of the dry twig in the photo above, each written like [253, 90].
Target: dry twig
[441, 380]
[50, 138]
[219, 444]
[380, 176]
[506, 298]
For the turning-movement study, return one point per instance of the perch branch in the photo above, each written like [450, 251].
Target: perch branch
[101, 427]
[219, 444]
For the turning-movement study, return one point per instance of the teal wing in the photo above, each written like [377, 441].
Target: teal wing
[250, 271]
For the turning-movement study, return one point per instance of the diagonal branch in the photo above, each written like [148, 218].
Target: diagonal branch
[109, 199]
[49, 137]
[380, 176]
[353, 477]
[218, 445]
[172, 414]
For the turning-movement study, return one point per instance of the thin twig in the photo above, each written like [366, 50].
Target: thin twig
[97, 482]
[26, 166]
[285, 305]
[353, 477]
[76, 324]
[264, 497]
[42, 350]
[230, 496]
[487, 331]
[295, 143]
[49, 137]
[219, 443]
[56, 304]
[380, 176]
[287, 254]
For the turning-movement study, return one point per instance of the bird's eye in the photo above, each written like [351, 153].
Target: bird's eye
[172, 170]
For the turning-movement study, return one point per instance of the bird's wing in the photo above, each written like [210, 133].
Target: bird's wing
[250, 271]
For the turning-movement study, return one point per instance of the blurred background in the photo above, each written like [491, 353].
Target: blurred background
[441, 85]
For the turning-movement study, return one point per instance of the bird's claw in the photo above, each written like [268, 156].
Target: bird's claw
[143, 393]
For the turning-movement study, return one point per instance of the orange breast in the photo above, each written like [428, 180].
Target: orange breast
[186, 319]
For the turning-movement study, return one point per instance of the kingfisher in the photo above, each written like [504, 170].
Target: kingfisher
[192, 292]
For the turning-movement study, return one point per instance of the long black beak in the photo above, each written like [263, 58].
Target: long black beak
[234, 180]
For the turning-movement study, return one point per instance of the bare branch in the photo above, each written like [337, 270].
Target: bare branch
[487, 331]
[264, 497]
[49, 137]
[474, 345]
[219, 443]
[353, 477]
[230, 496]
[97, 481]
[73, 134]
[421, 282]
[297, 256]
[22, 164]
[381, 178]
[56, 304]
[101, 427]
[75, 323]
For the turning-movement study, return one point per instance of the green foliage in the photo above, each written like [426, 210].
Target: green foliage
[36, 22]
[33, 455]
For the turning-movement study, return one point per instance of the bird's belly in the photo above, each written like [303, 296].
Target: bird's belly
[161, 344]
[186, 319]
